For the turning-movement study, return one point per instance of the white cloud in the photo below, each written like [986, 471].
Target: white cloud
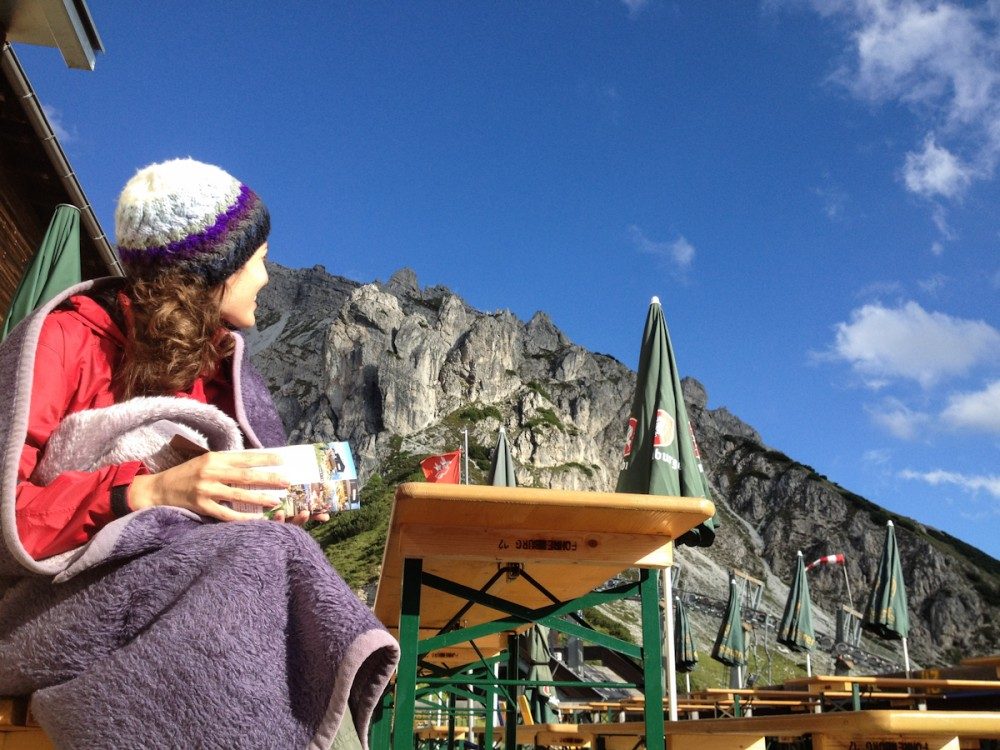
[899, 420]
[909, 342]
[834, 201]
[936, 172]
[876, 457]
[941, 59]
[933, 284]
[979, 410]
[937, 248]
[973, 484]
[940, 218]
[680, 252]
[635, 6]
[878, 289]
[54, 116]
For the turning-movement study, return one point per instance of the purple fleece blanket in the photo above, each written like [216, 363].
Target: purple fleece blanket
[166, 631]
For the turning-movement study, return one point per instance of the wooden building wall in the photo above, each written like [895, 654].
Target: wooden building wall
[30, 190]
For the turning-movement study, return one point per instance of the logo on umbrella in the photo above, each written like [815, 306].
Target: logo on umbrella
[694, 442]
[630, 435]
[664, 432]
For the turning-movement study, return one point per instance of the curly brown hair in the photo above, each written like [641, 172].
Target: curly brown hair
[174, 334]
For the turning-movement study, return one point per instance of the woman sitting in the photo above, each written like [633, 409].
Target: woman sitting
[137, 604]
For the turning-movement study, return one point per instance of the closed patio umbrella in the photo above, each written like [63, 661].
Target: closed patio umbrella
[796, 630]
[730, 646]
[684, 647]
[885, 614]
[502, 464]
[542, 709]
[661, 456]
[54, 267]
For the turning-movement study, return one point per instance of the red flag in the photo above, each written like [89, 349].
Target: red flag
[444, 468]
[837, 559]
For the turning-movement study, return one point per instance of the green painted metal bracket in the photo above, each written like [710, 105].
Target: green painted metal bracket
[518, 616]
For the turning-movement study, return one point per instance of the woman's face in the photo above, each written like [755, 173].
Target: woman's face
[239, 293]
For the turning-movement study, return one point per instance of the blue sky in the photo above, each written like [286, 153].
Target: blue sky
[810, 189]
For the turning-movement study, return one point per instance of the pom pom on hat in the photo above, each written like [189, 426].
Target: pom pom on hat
[188, 215]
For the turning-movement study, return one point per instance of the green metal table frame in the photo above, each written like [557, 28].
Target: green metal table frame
[398, 710]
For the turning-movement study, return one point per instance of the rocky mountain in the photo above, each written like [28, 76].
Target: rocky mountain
[399, 370]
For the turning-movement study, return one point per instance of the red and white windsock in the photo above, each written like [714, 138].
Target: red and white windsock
[837, 559]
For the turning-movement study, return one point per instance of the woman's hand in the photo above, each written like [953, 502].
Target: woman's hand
[202, 484]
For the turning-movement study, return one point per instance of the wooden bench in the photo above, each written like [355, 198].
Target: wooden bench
[547, 735]
[874, 684]
[887, 730]
[992, 662]
[813, 700]
[18, 731]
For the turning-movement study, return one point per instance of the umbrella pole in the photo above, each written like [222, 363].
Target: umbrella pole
[906, 658]
[687, 682]
[468, 704]
[668, 616]
[850, 599]
[465, 455]
[809, 666]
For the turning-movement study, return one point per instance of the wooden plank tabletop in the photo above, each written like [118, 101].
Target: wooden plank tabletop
[837, 682]
[980, 724]
[568, 541]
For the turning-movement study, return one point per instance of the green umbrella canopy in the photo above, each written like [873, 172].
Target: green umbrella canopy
[54, 267]
[796, 629]
[539, 655]
[661, 455]
[502, 465]
[885, 614]
[730, 647]
[684, 647]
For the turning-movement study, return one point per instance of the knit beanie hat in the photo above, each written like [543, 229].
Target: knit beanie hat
[188, 215]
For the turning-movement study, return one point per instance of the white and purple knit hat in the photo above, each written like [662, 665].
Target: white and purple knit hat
[188, 215]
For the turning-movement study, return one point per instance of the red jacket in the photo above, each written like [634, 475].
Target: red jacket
[78, 350]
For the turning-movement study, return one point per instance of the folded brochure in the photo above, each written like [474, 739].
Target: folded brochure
[323, 478]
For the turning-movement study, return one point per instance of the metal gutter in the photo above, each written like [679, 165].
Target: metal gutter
[15, 74]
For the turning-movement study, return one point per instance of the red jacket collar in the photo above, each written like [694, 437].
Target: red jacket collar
[95, 317]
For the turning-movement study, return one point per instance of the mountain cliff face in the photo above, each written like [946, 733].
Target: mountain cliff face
[395, 368]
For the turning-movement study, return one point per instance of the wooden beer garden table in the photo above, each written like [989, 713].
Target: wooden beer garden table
[466, 567]
[896, 730]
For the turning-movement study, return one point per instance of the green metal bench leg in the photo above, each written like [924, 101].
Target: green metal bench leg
[380, 729]
[406, 673]
[652, 657]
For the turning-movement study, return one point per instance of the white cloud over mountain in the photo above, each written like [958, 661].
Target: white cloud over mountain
[678, 252]
[969, 483]
[943, 60]
[979, 410]
[899, 420]
[908, 342]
